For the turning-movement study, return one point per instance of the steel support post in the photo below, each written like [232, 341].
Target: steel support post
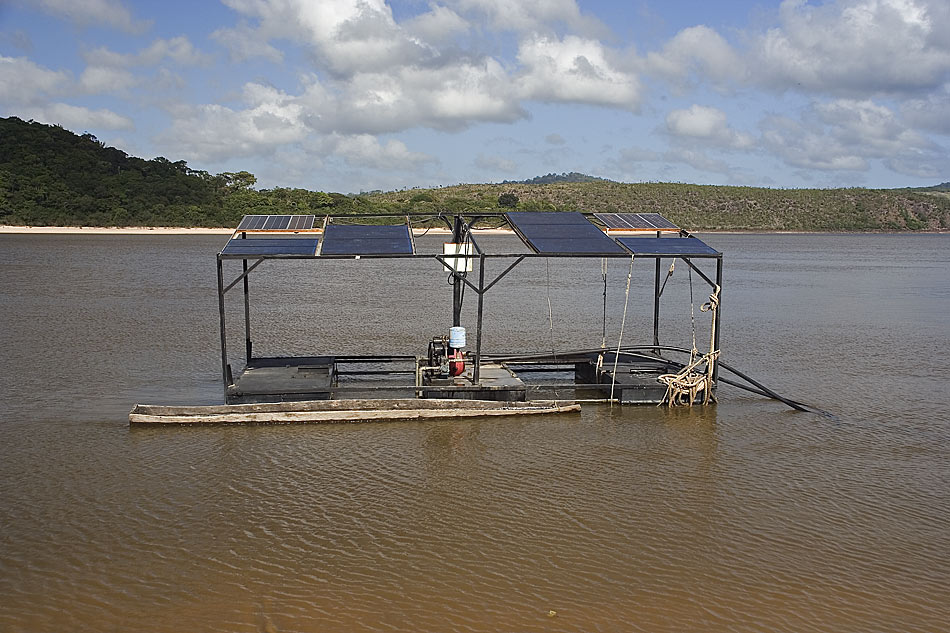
[225, 369]
[656, 304]
[457, 287]
[478, 323]
[718, 314]
[247, 317]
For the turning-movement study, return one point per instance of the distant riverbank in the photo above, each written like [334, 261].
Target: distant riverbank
[181, 230]
[174, 230]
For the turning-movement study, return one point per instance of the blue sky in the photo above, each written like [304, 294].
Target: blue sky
[351, 95]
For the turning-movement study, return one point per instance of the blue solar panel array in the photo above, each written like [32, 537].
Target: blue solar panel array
[668, 247]
[636, 221]
[276, 223]
[254, 247]
[354, 239]
[561, 233]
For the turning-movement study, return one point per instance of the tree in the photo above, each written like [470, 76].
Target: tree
[508, 199]
[238, 180]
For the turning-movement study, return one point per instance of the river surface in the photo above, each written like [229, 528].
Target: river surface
[744, 516]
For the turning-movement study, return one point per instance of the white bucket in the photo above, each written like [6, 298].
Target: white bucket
[457, 337]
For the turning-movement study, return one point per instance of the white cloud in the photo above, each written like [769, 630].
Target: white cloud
[846, 134]
[23, 81]
[629, 158]
[79, 118]
[179, 50]
[533, 16]
[365, 150]
[448, 98]
[698, 49]
[93, 12]
[574, 70]
[554, 139]
[872, 127]
[856, 47]
[213, 132]
[439, 25]
[348, 37]
[101, 79]
[245, 43]
[495, 164]
[931, 112]
[697, 159]
[706, 124]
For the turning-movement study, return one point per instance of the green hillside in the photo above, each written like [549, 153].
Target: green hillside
[707, 207]
[50, 176]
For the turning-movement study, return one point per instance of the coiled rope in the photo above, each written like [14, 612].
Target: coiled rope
[684, 387]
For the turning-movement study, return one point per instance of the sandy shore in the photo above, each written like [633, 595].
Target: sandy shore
[114, 230]
[174, 230]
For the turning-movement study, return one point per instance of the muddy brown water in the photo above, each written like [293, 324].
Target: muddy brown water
[745, 516]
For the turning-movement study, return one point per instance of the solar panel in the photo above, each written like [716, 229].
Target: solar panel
[635, 222]
[668, 247]
[364, 239]
[561, 232]
[277, 246]
[276, 223]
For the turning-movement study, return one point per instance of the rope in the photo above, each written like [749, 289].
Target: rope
[692, 318]
[550, 310]
[623, 322]
[669, 274]
[684, 387]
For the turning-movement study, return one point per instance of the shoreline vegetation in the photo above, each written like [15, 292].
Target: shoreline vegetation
[53, 178]
[204, 230]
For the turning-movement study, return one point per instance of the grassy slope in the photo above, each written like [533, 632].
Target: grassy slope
[699, 207]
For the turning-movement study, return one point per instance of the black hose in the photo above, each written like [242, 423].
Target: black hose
[756, 388]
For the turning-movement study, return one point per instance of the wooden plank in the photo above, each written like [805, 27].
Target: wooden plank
[355, 404]
[347, 415]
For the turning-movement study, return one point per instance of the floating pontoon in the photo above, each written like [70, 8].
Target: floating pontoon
[450, 368]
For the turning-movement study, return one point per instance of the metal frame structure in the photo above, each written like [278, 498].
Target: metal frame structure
[461, 226]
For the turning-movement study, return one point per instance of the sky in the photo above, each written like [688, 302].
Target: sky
[360, 95]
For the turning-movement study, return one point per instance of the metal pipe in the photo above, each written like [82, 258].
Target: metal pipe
[656, 304]
[718, 315]
[225, 370]
[242, 275]
[701, 273]
[478, 323]
[456, 277]
[247, 317]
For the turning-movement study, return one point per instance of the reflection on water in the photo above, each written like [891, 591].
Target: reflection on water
[740, 517]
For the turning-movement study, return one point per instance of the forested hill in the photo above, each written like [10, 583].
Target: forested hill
[50, 176]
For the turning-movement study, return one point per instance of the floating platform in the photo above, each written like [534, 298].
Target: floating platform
[284, 379]
[340, 411]
[631, 383]
[496, 382]
[518, 377]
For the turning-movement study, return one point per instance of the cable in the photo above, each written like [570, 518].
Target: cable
[623, 322]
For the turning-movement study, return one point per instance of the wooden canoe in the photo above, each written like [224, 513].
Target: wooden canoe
[336, 411]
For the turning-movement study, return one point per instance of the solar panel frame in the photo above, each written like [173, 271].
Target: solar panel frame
[276, 223]
[668, 247]
[635, 222]
[561, 233]
[252, 222]
[367, 239]
[257, 247]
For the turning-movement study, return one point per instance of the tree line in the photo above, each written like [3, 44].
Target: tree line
[50, 176]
